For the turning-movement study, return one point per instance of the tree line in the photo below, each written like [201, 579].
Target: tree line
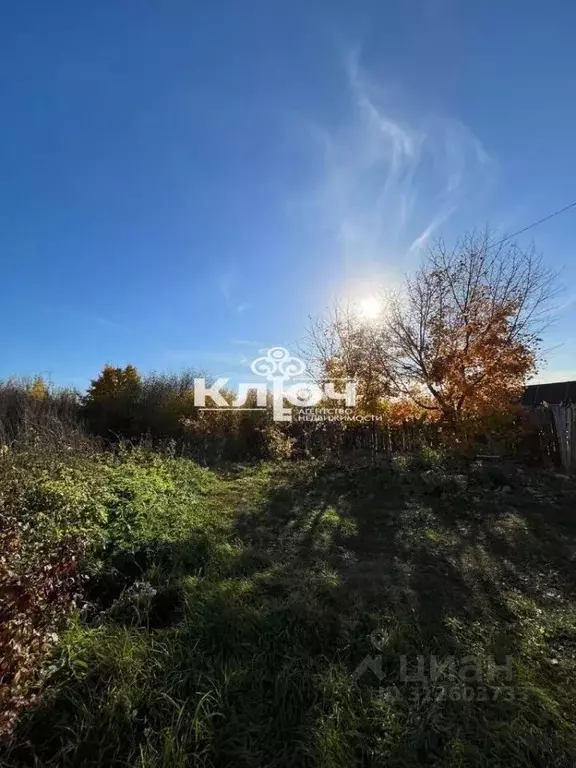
[449, 354]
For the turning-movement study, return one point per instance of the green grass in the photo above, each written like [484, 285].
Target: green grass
[230, 613]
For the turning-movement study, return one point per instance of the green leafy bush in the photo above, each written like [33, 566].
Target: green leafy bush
[65, 518]
[110, 501]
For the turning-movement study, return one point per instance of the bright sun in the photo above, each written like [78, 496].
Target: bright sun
[369, 308]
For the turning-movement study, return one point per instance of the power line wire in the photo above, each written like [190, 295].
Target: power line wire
[535, 224]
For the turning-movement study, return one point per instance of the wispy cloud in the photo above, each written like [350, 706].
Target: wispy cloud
[203, 356]
[432, 227]
[225, 282]
[392, 174]
[246, 343]
[105, 322]
[228, 288]
[568, 303]
[91, 319]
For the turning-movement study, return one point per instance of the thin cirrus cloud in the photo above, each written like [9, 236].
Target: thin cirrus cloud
[392, 174]
[107, 323]
[225, 282]
[226, 287]
[89, 319]
[247, 343]
[203, 356]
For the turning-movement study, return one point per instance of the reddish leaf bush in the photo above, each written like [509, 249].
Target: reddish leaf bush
[38, 590]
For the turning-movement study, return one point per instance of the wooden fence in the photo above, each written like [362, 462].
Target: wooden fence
[549, 442]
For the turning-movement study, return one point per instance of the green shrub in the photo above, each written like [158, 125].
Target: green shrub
[65, 517]
[279, 444]
[109, 501]
[427, 457]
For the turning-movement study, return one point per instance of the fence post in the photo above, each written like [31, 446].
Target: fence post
[564, 424]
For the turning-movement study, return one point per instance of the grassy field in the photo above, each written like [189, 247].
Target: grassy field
[278, 615]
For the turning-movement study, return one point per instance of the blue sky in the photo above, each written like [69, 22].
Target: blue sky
[183, 183]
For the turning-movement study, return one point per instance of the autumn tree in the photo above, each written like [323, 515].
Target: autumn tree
[113, 382]
[463, 336]
[38, 389]
[340, 346]
[110, 404]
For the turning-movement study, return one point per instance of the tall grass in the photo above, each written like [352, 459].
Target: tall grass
[53, 418]
[229, 615]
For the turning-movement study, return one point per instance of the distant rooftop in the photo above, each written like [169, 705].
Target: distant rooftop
[557, 392]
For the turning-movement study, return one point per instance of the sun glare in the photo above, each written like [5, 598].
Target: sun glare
[369, 308]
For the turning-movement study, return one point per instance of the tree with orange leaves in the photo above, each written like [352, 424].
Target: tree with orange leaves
[467, 331]
[462, 338]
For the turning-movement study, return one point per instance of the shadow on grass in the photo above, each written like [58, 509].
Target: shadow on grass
[294, 639]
